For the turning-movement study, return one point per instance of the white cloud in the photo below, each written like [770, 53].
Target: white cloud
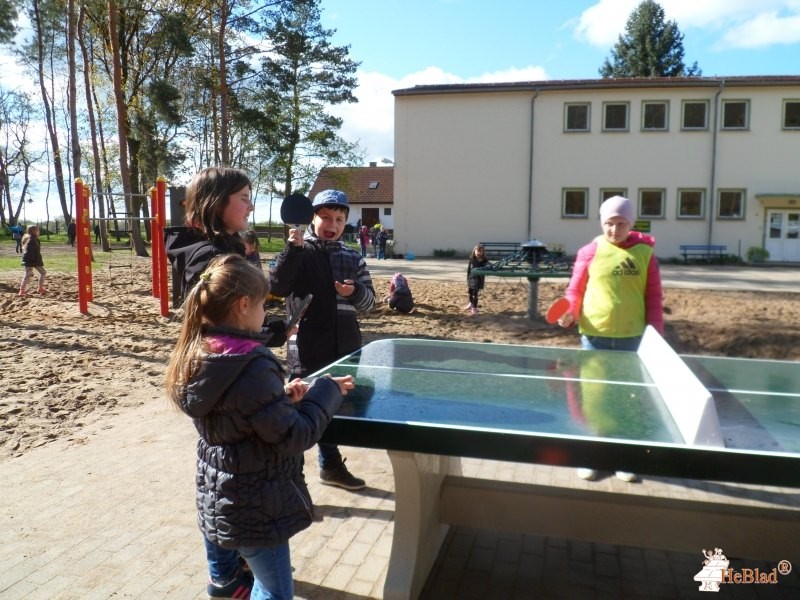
[763, 30]
[371, 120]
[737, 23]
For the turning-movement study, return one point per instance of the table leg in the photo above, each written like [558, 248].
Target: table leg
[533, 298]
[418, 532]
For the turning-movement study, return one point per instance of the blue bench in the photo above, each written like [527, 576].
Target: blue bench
[707, 252]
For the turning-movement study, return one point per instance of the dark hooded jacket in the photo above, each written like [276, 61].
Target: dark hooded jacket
[329, 330]
[189, 252]
[250, 485]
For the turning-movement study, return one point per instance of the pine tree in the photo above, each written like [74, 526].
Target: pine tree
[651, 47]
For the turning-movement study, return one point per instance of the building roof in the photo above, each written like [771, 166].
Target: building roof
[596, 84]
[363, 185]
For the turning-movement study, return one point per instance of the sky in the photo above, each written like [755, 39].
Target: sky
[403, 43]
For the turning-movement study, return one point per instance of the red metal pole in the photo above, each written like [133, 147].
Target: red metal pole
[88, 247]
[83, 299]
[155, 234]
[163, 287]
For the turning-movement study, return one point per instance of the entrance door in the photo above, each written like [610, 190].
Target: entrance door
[369, 216]
[783, 235]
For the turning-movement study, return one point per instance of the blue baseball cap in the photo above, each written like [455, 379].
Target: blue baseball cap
[331, 199]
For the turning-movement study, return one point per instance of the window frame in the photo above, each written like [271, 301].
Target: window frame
[679, 204]
[662, 192]
[742, 201]
[588, 107]
[784, 126]
[610, 104]
[602, 197]
[704, 103]
[722, 115]
[568, 190]
[645, 105]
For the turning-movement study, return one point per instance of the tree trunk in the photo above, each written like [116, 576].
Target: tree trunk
[93, 133]
[48, 113]
[223, 85]
[73, 89]
[122, 128]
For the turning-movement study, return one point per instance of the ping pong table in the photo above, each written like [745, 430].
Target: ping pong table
[429, 403]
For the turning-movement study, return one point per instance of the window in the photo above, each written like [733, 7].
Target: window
[651, 203]
[575, 203]
[791, 114]
[655, 116]
[615, 116]
[690, 204]
[373, 185]
[734, 114]
[576, 117]
[387, 212]
[731, 204]
[695, 114]
[607, 193]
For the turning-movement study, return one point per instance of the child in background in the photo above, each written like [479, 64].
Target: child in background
[400, 297]
[383, 237]
[319, 263]
[363, 240]
[32, 259]
[253, 430]
[251, 248]
[16, 234]
[475, 282]
[615, 289]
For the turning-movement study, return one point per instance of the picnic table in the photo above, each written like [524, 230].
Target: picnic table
[533, 262]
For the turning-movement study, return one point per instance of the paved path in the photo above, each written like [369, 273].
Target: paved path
[110, 514]
[777, 279]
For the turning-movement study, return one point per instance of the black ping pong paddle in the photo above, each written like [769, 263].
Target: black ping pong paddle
[296, 209]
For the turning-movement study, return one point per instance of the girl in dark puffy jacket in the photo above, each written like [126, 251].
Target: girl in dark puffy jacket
[253, 430]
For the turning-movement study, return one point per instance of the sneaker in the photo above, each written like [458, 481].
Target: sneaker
[341, 477]
[22, 293]
[42, 291]
[587, 474]
[473, 311]
[239, 588]
[626, 476]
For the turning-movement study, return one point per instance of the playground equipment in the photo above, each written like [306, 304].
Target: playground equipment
[84, 245]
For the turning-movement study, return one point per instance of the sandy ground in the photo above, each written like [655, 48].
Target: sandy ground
[63, 371]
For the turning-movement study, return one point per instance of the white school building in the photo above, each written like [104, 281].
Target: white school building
[705, 161]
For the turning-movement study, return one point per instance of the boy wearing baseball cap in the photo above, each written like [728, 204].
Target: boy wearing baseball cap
[319, 263]
[615, 289]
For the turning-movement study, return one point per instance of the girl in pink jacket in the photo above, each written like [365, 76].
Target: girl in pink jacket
[615, 288]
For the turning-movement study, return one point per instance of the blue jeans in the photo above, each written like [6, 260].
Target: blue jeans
[591, 342]
[272, 570]
[329, 455]
[223, 564]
